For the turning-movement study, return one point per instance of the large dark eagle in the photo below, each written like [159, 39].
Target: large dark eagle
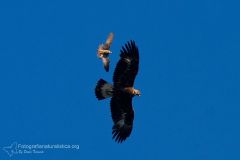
[122, 91]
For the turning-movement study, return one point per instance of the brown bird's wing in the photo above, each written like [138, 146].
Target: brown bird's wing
[100, 46]
[106, 62]
[127, 67]
[108, 41]
[122, 115]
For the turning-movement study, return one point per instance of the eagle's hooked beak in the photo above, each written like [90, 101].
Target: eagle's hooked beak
[137, 92]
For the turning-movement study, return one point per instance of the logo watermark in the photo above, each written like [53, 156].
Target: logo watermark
[18, 148]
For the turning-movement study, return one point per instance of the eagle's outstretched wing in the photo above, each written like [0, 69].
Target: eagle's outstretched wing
[127, 67]
[122, 115]
[121, 102]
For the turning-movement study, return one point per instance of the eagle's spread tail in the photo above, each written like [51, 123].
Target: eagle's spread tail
[103, 89]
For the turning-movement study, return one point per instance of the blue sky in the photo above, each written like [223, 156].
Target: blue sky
[189, 78]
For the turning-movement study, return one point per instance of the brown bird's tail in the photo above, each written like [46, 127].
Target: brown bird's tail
[103, 89]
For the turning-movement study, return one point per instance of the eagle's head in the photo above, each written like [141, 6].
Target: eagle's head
[137, 92]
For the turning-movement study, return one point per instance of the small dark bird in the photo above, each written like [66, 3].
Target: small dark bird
[122, 91]
[104, 51]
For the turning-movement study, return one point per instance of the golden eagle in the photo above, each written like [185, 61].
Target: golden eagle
[122, 91]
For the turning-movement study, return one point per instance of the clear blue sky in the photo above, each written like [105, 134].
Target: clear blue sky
[189, 77]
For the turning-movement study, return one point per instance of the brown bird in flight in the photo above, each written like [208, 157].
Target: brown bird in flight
[104, 51]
